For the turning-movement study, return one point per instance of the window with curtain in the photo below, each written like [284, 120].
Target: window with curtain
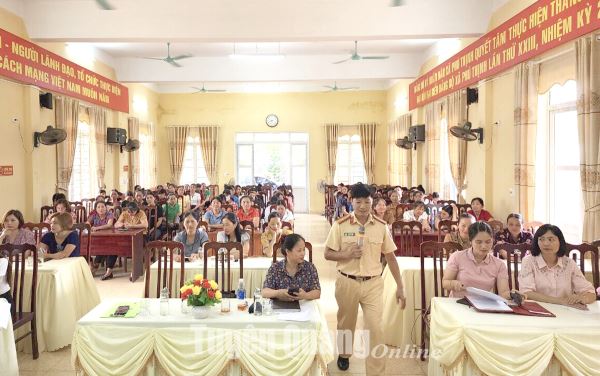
[448, 188]
[193, 170]
[559, 200]
[147, 157]
[83, 183]
[350, 166]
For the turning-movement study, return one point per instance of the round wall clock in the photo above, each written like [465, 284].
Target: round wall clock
[272, 120]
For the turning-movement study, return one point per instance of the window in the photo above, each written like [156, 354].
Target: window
[193, 170]
[558, 194]
[448, 188]
[83, 183]
[147, 156]
[350, 165]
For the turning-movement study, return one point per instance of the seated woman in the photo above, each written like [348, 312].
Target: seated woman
[418, 214]
[60, 242]
[14, 231]
[447, 213]
[549, 275]
[462, 235]
[476, 266]
[101, 219]
[214, 215]
[478, 211]
[380, 208]
[233, 232]
[247, 212]
[391, 212]
[131, 217]
[292, 272]
[171, 211]
[272, 234]
[62, 206]
[285, 214]
[191, 237]
[513, 233]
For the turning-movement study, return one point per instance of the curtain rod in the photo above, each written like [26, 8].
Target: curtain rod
[192, 126]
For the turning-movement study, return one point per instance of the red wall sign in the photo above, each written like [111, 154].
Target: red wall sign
[6, 170]
[542, 26]
[27, 62]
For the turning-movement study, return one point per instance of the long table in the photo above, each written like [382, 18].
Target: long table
[177, 344]
[255, 272]
[123, 243]
[466, 342]
[65, 292]
[8, 351]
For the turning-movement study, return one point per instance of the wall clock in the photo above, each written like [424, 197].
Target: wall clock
[272, 120]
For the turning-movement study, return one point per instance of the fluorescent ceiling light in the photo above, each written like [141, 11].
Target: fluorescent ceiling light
[257, 57]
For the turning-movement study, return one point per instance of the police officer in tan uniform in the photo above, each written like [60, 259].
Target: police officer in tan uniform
[356, 243]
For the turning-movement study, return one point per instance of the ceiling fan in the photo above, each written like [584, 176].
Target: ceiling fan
[404, 143]
[170, 59]
[203, 90]
[355, 56]
[104, 4]
[397, 3]
[337, 88]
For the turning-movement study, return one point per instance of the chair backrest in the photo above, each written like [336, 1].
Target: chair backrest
[248, 226]
[152, 216]
[496, 226]
[288, 225]
[214, 190]
[15, 275]
[116, 210]
[579, 252]
[84, 228]
[277, 247]
[45, 211]
[440, 253]
[227, 207]
[532, 226]
[408, 236]
[514, 254]
[38, 229]
[225, 274]
[446, 227]
[80, 214]
[463, 208]
[88, 204]
[164, 252]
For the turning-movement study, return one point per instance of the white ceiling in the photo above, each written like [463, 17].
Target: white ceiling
[310, 34]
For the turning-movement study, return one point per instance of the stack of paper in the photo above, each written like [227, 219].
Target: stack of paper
[486, 301]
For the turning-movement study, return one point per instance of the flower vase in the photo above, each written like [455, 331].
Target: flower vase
[200, 312]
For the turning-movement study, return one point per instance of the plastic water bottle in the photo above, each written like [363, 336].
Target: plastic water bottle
[257, 302]
[241, 290]
[164, 302]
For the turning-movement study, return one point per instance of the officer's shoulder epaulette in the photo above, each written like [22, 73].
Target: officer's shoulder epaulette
[343, 219]
[380, 220]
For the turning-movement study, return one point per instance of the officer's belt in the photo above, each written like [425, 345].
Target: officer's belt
[356, 277]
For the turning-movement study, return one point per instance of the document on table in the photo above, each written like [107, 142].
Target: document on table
[486, 301]
[305, 314]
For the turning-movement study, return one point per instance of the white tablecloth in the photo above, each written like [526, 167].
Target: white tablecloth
[255, 271]
[177, 344]
[8, 352]
[464, 341]
[66, 291]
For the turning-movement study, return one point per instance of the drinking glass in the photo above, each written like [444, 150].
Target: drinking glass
[225, 306]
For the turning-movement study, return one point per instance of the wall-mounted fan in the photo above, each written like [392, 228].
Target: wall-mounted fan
[465, 132]
[51, 136]
[170, 59]
[355, 56]
[104, 4]
[337, 88]
[131, 145]
[405, 143]
[203, 90]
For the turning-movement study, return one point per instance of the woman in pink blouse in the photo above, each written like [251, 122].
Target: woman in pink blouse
[476, 266]
[549, 275]
[14, 231]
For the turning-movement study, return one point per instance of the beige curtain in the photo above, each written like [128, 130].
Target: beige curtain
[456, 113]
[400, 160]
[367, 143]
[97, 116]
[152, 151]
[209, 137]
[432, 141]
[177, 142]
[66, 117]
[133, 125]
[331, 141]
[526, 108]
[587, 50]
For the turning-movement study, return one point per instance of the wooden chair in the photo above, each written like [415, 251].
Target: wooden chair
[204, 225]
[88, 204]
[15, 276]
[496, 226]
[80, 213]
[579, 253]
[38, 229]
[463, 208]
[228, 290]
[81, 228]
[446, 227]
[152, 217]
[45, 211]
[249, 227]
[227, 207]
[164, 252]
[514, 254]
[532, 226]
[408, 236]
[288, 225]
[440, 252]
[277, 247]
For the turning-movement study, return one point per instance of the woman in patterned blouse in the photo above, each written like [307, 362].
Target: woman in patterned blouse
[292, 272]
[462, 235]
[513, 233]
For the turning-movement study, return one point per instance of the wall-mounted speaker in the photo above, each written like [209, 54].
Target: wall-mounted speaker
[416, 133]
[116, 136]
[46, 100]
[472, 95]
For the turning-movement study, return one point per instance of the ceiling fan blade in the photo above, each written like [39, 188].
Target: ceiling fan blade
[153, 58]
[374, 57]
[216, 91]
[397, 3]
[173, 63]
[197, 88]
[181, 57]
[348, 88]
[329, 87]
[104, 4]
[341, 61]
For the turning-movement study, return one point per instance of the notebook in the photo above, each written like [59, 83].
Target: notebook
[283, 306]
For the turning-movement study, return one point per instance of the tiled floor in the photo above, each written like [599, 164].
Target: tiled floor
[314, 228]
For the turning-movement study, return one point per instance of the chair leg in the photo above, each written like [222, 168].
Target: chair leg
[34, 341]
[125, 264]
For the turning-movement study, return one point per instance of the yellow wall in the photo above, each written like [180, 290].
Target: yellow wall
[298, 112]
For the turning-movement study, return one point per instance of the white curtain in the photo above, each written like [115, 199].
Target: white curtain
[400, 160]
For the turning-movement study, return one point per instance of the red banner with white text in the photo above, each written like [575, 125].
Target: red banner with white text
[542, 26]
[26, 62]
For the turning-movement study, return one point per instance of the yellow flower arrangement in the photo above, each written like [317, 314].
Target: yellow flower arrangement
[200, 292]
